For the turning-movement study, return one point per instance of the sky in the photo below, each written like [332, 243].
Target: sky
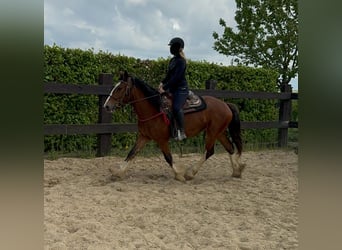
[139, 28]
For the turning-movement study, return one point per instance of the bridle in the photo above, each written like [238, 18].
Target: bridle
[128, 95]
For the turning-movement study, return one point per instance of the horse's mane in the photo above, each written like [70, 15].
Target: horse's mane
[148, 91]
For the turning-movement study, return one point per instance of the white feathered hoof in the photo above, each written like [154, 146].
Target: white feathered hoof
[117, 174]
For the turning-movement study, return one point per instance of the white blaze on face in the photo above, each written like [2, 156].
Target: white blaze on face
[110, 95]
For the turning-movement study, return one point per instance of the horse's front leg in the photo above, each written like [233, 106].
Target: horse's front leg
[178, 170]
[121, 171]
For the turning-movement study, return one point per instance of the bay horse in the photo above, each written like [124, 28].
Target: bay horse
[218, 120]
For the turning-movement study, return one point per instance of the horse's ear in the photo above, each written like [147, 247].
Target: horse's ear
[123, 75]
[129, 80]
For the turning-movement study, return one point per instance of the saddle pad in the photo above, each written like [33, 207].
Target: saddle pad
[193, 103]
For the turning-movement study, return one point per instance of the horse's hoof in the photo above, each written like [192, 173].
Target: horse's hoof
[115, 178]
[189, 175]
[236, 175]
[242, 166]
[180, 178]
[116, 174]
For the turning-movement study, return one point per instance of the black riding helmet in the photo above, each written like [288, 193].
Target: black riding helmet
[177, 40]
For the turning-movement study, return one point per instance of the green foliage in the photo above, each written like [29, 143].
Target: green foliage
[83, 67]
[294, 108]
[267, 36]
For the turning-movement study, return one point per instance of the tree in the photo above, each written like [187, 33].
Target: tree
[267, 36]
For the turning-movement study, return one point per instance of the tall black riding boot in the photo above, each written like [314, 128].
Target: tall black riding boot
[179, 116]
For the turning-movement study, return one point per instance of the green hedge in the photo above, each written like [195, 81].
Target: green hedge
[83, 67]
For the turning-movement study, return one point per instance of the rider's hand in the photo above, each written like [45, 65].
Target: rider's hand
[161, 90]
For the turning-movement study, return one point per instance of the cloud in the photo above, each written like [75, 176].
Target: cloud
[139, 26]
[175, 24]
[67, 12]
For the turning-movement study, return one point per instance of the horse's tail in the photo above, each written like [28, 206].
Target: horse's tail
[235, 127]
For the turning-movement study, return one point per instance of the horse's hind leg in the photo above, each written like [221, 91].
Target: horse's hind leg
[139, 144]
[210, 148]
[237, 166]
[234, 158]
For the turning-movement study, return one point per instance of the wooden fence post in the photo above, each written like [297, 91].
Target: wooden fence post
[210, 84]
[104, 141]
[284, 116]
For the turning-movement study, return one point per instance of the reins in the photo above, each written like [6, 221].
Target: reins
[142, 99]
[134, 101]
[161, 113]
[166, 120]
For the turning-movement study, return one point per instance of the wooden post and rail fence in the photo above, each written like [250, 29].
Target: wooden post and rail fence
[105, 128]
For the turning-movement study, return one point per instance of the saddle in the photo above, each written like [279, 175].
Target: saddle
[193, 103]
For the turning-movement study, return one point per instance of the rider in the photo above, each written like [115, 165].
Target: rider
[175, 83]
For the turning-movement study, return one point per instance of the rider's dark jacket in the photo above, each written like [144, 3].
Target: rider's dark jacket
[175, 77]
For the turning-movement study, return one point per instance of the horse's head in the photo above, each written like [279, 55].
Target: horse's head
[120, 94]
